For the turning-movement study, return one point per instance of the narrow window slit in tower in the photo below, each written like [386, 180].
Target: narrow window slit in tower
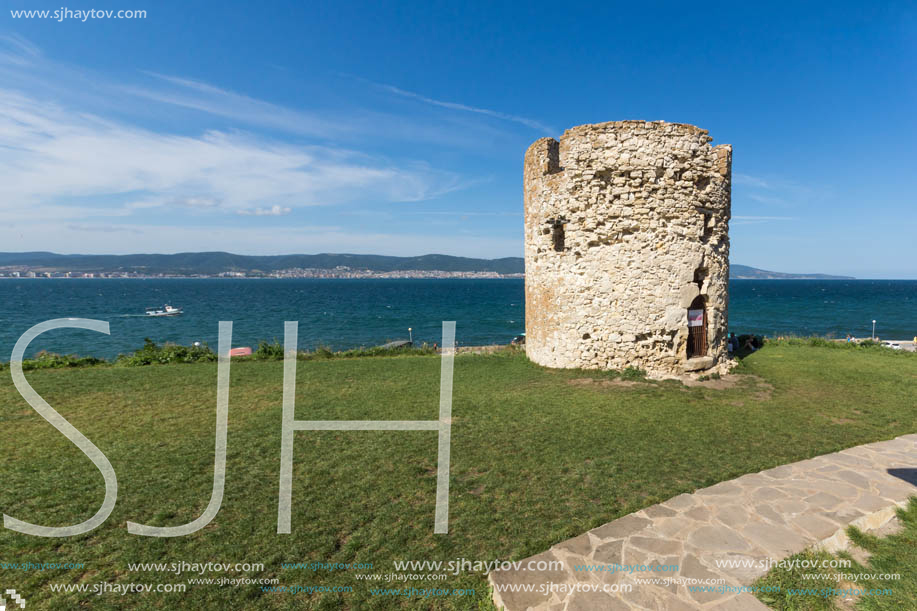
[557, 235]
[708, 222]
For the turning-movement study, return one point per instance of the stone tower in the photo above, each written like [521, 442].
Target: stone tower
[627, 248]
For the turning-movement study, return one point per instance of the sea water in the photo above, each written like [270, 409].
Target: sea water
[349, 313]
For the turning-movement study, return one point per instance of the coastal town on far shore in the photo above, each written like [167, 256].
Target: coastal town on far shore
[340, 271]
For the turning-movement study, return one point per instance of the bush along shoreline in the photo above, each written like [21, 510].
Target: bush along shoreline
[166, 354]
[169, 353]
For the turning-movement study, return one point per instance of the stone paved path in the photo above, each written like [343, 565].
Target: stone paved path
[762, 516]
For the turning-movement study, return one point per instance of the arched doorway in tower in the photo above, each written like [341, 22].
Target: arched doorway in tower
[697, 328]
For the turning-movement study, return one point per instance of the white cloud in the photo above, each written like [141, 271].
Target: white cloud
[754, 220]
[48, 152]
[22, 45]
[220, 102]
[55, 212]
[272, 211]
[777, 190]
[104, 228]
[348, 122]
[536, 125]
[17, 50]
[750, 181]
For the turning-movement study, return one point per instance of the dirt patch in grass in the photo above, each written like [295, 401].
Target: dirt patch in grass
[733, 380]
[483, 349]
[765, 392]
[730, 380]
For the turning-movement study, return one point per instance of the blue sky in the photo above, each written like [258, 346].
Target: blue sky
[399, 128]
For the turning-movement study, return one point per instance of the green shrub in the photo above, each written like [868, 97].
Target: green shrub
[51, 360]
[152, 354]
[272, 351]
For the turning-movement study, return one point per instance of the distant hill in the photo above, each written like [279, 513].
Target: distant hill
[209, 263]
[212, 263]
[744, 272]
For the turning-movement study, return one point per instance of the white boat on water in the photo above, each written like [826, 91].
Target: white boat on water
[165, 310]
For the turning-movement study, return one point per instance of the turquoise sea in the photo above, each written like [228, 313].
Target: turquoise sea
[349, 313]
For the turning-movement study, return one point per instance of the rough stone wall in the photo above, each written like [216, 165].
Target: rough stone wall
[626, 223]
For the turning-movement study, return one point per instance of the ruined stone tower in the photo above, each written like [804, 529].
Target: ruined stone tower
[627, 248]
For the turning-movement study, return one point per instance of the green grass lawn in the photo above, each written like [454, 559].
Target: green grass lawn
[537, 456]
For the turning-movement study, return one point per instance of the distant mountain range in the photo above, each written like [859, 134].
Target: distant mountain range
[744, 272]
[214, 263]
